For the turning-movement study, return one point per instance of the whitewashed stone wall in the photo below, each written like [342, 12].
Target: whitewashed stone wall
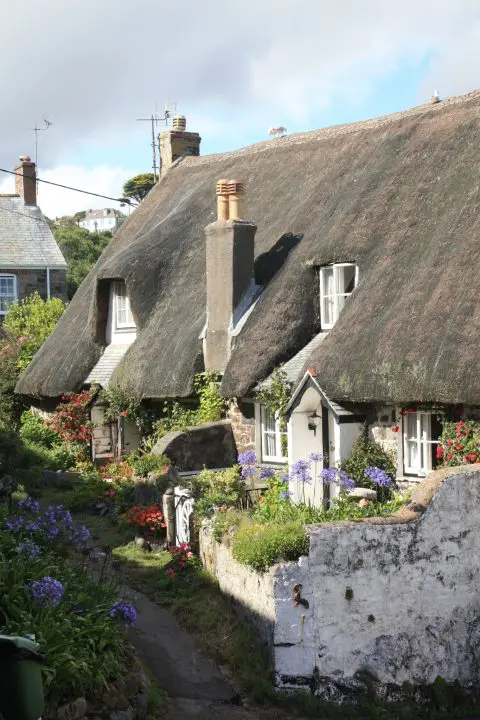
[397, 598]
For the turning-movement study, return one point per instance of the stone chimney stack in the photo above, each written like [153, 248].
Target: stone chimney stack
[176, 143]
[26, 180]
[230, 257]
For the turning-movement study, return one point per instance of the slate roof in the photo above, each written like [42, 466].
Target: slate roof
[103, 370]
[26, 241]
[399, 196]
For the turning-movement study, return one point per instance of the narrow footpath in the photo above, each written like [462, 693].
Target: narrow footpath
[196, 688]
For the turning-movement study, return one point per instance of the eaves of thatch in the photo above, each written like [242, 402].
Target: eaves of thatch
[399, 195]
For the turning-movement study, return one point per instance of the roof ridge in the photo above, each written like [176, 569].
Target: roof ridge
[330, 131]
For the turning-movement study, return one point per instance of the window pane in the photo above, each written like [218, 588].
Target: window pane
[412, 454]
[328, 287]
[269, 448]
[268, 420]
[328, 310]
[348, 279]
[7, 292]
[269, 433]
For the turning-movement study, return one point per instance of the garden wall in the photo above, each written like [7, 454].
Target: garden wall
[397, 597]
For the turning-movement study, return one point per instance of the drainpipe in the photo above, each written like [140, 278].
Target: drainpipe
[48, 283]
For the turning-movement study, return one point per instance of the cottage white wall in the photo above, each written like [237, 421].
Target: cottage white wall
[400, 599]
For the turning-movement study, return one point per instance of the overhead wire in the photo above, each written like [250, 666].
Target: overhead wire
[126, 201]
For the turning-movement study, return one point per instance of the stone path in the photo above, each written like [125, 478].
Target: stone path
[196, 687]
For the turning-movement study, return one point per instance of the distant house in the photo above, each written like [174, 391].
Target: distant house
[30, 259]
[362, 278]
[101, 220]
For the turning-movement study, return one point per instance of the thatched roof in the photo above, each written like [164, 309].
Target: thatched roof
[398, 195]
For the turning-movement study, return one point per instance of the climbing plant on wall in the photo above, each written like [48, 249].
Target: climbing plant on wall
[276, 395]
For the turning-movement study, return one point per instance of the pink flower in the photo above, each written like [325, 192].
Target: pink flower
[189, 555]
[171, 573]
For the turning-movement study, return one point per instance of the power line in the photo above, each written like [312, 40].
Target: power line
[125, 201]
[14, 212]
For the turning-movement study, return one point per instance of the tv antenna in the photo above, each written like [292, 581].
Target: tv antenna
[154, 119]
[45, 124]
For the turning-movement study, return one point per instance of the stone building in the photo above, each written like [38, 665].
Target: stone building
[30, 259]
[355, 258]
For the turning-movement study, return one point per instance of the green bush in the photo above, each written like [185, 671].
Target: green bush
[212, 489]
[150, 463]
[459, 443]
[35, 429]
[86, 492]
[367, 453]
[260, 546]
[57, 457]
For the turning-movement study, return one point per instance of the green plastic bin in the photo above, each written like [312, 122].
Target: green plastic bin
[21, 686]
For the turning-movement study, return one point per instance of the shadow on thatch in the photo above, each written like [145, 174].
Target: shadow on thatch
[269, 263]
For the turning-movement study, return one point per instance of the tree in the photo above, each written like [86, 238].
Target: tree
[81, 249]
[26, 326]
[139, 186]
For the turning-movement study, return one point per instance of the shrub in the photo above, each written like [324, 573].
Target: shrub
[459, 443]
[71, 419]
[57, 457]
[117, 471]
[148, 520]
[260, 546]
[86, 492]
[213, 489]
[37, 430]
[367, 453]
[150, 463]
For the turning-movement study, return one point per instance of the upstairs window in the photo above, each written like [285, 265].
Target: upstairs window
[421, 431]
[337, 282]
[8, 292]
[122, 312]
[274, 439]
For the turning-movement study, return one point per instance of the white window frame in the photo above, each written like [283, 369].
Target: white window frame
[423, 440]
[9, 276]
[336, 295]
[129, 324]
[277, 434]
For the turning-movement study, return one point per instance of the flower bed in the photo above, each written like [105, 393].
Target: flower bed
[46, 591]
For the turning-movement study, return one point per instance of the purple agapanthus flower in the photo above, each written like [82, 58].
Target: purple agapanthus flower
[315, 457]
[329, 476]
[29, 505]
[46, 591]
[378, 476]
[284, 478]
[79, 535]
[301, 471]
[14, 523]
[29, 549]
[247, 458]
[285, 494]
[345, 480]
[125, 612]
[267, 472]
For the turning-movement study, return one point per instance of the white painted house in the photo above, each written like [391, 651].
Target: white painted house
[102, 220]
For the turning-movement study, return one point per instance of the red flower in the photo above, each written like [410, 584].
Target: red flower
[450, 442]
[395, 428]
[471, 457]
[123, 413]
[450, 455]
[458, 446]
[439, 452]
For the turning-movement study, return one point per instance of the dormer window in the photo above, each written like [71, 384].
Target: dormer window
[337, 282]
[122, 312]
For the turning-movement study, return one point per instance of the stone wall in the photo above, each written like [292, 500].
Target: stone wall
[251, 593]
[30, 280]
[396, 597]
[242, 418]
[202, 446]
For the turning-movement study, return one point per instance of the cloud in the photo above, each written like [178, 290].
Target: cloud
[93, 67]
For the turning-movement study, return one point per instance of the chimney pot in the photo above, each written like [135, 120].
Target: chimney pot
[179, 123]
[222, 200]
[236, 200]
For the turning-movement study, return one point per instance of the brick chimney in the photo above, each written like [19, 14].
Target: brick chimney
[230, 256]
[176, 143]
[26, 180]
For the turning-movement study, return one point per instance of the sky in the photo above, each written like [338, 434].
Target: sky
[234, 69]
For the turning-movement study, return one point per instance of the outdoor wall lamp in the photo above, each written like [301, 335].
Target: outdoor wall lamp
[314, 422]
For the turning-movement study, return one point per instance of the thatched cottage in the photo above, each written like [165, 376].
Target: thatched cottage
[357, 257]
